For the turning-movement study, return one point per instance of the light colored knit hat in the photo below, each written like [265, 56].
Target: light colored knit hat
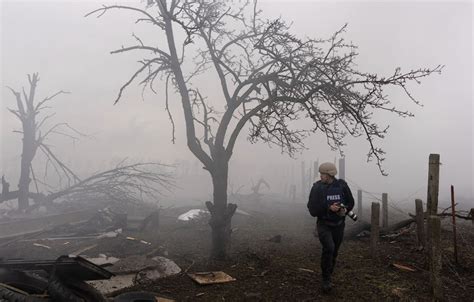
[328, 168]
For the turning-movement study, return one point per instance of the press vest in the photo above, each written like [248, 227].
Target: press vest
[334, 194]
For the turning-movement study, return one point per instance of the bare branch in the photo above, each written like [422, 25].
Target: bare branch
[270, 78]
[105, 8]
[142, 47]
[146, 65]
[71, 176]
[167, 108]
[124, 183]
[38, 106]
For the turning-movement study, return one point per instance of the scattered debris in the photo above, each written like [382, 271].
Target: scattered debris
[164, 267]
[42, 245]
[200, 213]
[167, 266]
[111, 234]
[404, 267]
[113, 284]
[211, 277]
[306, 270]
[139, 263]
[135, 270]
[102, 260]
[193, 214]
[138, 240]
[84, 249]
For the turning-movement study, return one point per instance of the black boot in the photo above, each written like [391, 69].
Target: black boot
[326, 286]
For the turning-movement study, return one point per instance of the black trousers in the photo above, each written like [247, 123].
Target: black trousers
[331, 239]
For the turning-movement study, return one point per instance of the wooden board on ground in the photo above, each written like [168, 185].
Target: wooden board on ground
[211, 277]
[404, 267]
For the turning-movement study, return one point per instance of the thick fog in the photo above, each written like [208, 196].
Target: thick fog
[72, 53]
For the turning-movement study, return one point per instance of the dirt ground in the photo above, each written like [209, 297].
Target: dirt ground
[281, 271]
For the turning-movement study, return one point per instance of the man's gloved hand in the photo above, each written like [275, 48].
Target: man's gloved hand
[342, 212]
[334, 207]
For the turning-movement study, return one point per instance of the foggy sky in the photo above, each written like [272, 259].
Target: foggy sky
[72, 53]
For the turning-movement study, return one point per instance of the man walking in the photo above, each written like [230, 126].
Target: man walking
[330, 199]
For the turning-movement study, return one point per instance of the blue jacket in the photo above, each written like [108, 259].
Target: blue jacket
[323, 195]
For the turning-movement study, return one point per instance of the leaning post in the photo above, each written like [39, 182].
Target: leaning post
[420, 224]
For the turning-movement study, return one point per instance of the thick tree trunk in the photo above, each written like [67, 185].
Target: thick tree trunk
[221, 212]
[27, 155]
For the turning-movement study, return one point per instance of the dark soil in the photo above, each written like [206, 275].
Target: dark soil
[282, 271]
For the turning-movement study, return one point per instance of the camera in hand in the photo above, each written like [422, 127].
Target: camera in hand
[351, 214]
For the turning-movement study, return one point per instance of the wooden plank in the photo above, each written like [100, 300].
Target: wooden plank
[211, 277]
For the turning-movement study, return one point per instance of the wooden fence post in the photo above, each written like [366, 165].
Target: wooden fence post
[359, 203]
[433, 184]
[433, 190]
[434, 223]
[384, 210]
[453, 212]
[374, 228]
[420, 225]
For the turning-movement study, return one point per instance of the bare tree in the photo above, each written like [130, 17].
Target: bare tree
[126, 183]
[29, 112]
[268, 78]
